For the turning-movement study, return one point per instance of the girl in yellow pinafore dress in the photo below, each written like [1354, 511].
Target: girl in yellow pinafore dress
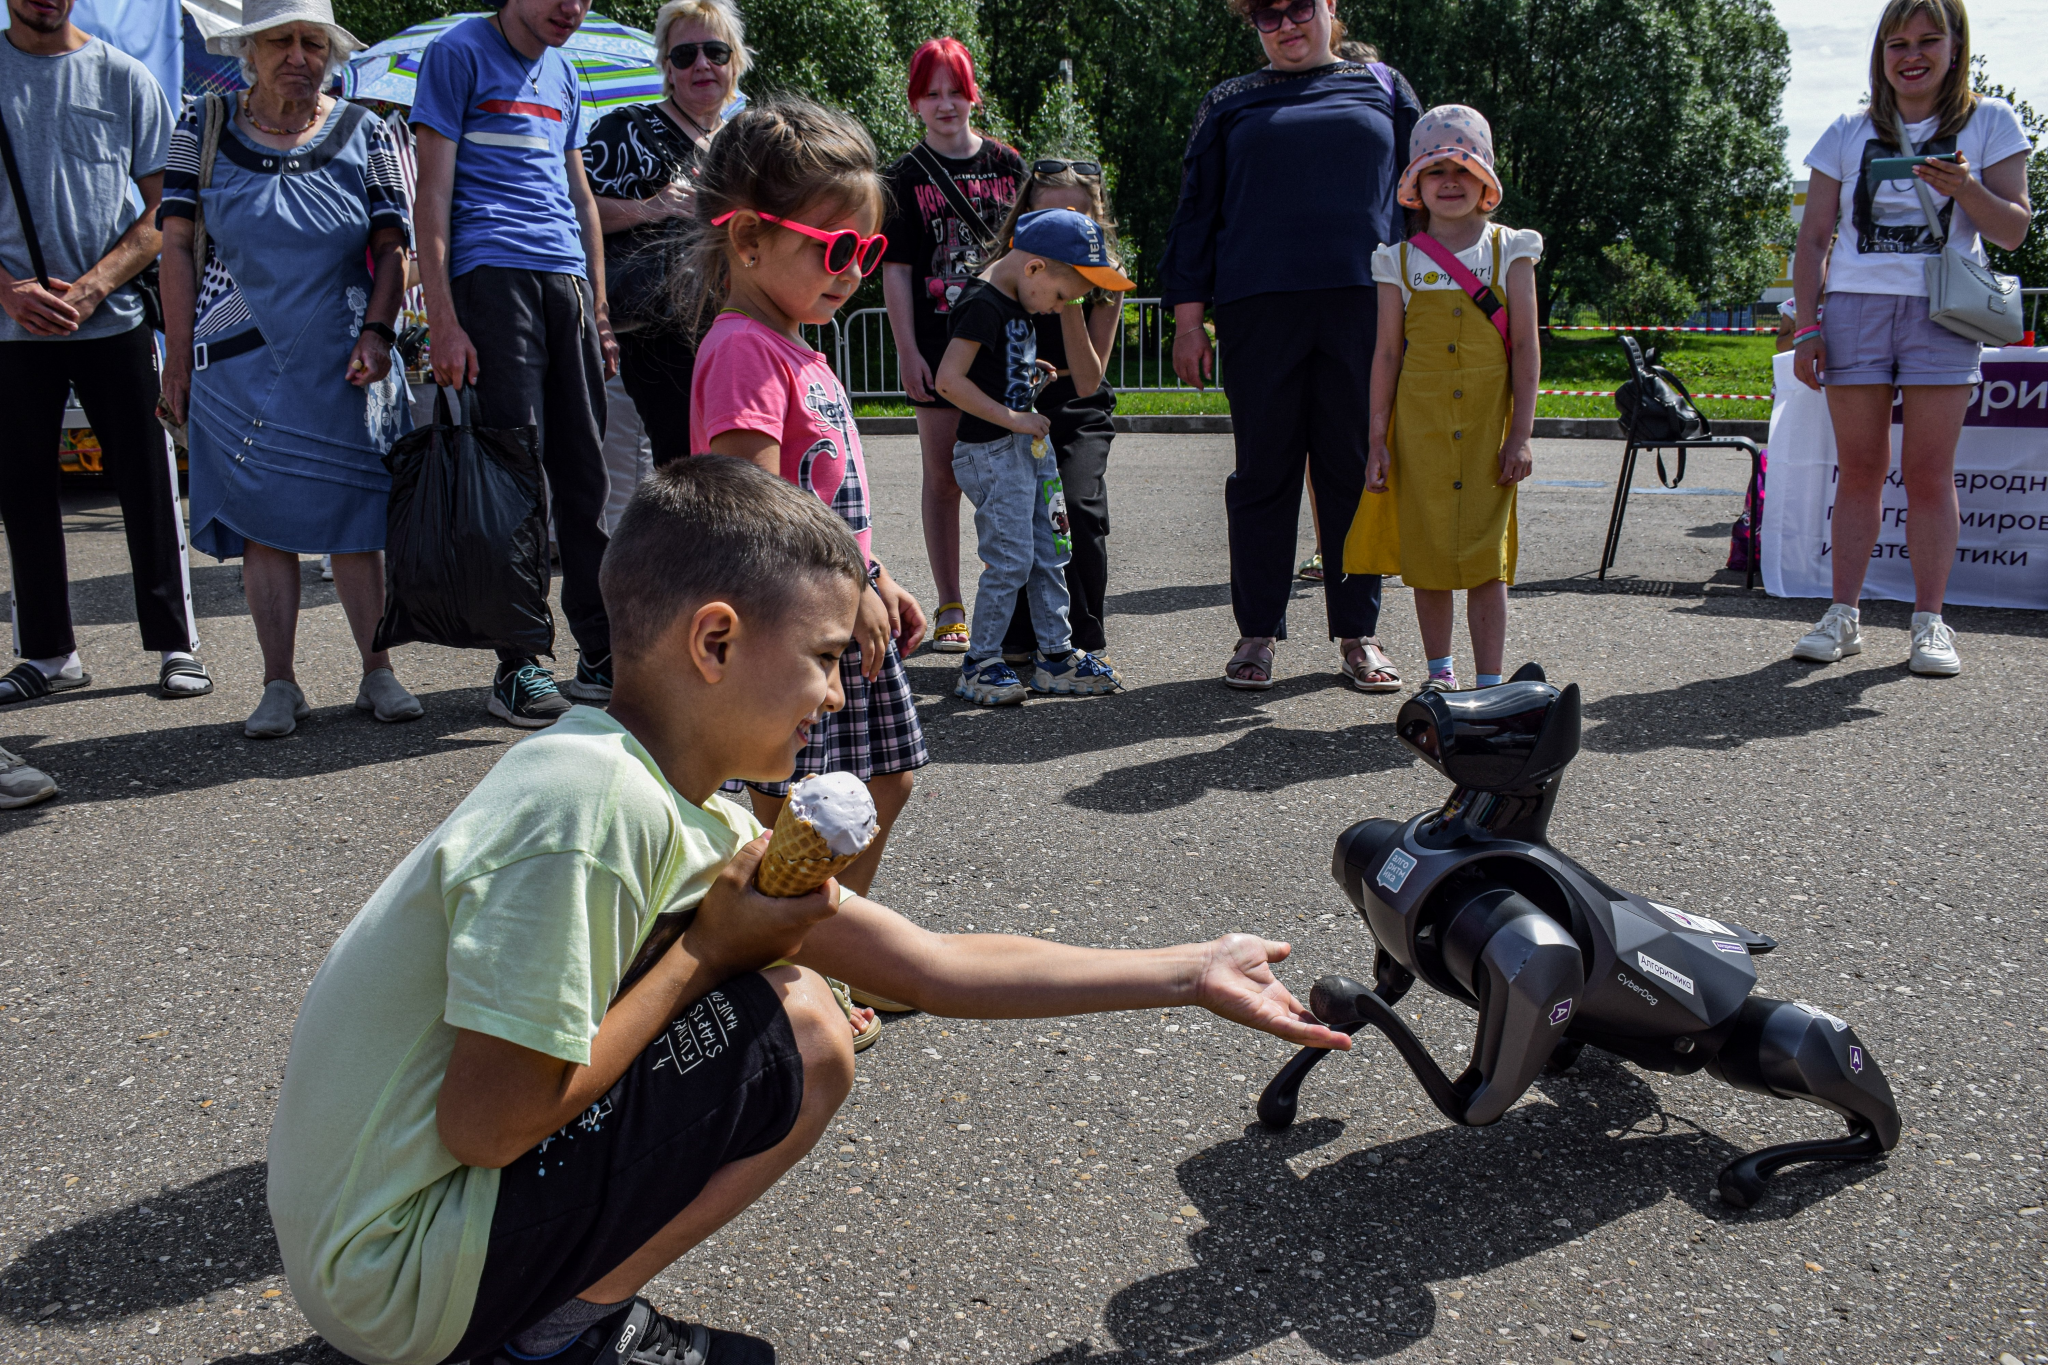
[1451, 417]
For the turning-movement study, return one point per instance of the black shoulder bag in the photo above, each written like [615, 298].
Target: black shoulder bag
[147, 283]
[942, 181]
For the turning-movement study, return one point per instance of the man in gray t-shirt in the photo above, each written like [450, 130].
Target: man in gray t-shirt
[88, 130]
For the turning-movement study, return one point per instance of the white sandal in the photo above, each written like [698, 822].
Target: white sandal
[1375, 672]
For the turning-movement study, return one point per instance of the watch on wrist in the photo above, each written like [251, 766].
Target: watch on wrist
[382, 329]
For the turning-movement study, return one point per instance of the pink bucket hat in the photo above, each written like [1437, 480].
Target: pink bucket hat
[1451, 132]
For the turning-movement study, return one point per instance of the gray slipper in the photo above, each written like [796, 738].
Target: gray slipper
[279, 713]
[382, 694]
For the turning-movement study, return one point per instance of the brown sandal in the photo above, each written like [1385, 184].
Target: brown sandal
[1251, 665]
[1373, 671]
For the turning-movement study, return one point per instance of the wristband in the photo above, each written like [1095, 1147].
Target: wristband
[1804, 332]
[382, 329]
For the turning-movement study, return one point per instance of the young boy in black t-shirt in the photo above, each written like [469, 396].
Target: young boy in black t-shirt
[1002, 462]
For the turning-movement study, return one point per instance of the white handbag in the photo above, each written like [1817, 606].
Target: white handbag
[1970, 299]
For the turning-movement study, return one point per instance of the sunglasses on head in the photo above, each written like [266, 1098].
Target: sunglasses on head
[842, 248]
[1051, 166]
[685, 54]
[1267, 18]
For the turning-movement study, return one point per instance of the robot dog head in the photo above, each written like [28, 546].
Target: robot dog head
[1510, 740]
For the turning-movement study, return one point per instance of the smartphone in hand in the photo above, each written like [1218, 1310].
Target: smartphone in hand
[1899, 168]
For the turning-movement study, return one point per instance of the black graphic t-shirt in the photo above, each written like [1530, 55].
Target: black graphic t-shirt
[926, 235]
[634, 152]
[1007, 362]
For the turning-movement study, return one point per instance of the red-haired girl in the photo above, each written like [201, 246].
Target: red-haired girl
[949, 195]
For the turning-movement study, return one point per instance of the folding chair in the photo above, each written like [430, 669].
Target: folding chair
[1697, 434]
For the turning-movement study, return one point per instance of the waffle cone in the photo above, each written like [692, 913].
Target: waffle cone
[798, 860]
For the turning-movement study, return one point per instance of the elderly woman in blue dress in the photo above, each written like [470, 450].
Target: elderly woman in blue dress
[279, 349]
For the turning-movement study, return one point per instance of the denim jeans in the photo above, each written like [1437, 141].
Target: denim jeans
[1020, 519]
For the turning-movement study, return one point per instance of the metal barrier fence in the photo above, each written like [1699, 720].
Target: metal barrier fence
[863, 351]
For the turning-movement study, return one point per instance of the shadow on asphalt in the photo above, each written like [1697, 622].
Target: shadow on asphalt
[109, 600]
[189, 758]
[1262, 760]
[1166, 601]
[1346, 1254]
[1782, 700]
[167, 1250]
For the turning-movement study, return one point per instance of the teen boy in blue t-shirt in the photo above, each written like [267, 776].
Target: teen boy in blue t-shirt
[512, 261]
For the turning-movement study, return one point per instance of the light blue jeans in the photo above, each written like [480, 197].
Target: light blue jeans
[1020, 518]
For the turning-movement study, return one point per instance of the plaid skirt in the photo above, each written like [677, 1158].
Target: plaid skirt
[877, 731]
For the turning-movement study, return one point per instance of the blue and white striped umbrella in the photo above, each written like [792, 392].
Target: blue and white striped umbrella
[614, 63]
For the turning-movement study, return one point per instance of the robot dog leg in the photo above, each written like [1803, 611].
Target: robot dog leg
[1472, 899]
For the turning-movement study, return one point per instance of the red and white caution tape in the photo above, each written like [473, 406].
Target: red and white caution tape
[1609, 393]
[1610, 327]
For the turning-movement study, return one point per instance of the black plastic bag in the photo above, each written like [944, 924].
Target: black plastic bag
[466, 553]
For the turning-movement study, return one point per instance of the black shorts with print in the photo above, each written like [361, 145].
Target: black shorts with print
[722, 1083]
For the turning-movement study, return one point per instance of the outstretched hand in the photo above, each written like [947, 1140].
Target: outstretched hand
[1237, 982]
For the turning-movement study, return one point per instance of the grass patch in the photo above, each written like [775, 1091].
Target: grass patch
[1706, 363]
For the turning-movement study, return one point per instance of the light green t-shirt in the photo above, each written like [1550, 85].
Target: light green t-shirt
[516, 918]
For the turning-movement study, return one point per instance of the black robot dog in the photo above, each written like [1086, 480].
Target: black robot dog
[1472, 899]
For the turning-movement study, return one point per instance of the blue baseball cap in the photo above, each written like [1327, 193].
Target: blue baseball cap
[1072, 239]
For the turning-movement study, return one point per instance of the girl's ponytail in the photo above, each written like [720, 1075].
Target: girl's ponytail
[783, 156]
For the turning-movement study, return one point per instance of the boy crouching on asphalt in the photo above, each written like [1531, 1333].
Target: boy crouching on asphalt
[1002, 461]
[481, 1154]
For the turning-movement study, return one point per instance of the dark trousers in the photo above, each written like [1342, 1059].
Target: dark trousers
[656, 368]
[1299, 376]
[117, 386]
[1081, 433]
[538, 364]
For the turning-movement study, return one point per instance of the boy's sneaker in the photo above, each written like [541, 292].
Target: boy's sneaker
[21, 785]
[989, 683]
[1934, 647]
[525, 695]
[593, 680]
[1080, 674]
[1836, 637]
[638, 1335]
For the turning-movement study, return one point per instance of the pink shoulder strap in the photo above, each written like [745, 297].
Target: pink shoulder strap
[1489, 302]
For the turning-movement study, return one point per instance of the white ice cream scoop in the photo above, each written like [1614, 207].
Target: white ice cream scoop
[838, 807]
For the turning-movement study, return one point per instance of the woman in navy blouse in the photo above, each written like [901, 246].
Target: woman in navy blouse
[1287, 186]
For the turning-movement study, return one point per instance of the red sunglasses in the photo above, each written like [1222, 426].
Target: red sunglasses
[842, 248]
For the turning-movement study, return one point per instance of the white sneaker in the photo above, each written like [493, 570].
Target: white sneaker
[1836, 637]
[1934, 647]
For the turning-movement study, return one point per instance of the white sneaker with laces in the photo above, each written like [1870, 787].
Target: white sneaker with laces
[1836, 637]
[1934, 647]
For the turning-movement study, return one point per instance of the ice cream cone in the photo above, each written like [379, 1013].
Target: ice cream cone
[800, 858]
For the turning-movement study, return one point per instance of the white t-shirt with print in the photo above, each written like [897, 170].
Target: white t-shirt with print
[1516, 244]
[1881, 238]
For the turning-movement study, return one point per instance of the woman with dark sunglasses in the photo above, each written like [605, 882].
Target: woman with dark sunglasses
[643, 160]
[1287, 187]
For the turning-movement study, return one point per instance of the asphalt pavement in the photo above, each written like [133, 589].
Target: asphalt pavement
[1096, 1189]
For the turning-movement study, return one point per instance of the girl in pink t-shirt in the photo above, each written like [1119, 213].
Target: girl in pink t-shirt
[789, 198]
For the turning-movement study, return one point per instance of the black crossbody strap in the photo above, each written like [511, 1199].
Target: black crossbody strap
[942, 180]
[28, 224]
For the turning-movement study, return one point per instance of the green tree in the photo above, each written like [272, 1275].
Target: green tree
[1637, 291]
[2030, 262]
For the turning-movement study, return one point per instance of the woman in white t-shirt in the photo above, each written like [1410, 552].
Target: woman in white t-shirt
[1877, 335]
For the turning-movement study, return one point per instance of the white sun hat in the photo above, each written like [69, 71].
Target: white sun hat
[260, 16]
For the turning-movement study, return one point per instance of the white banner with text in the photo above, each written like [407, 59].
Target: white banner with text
[2001, 484]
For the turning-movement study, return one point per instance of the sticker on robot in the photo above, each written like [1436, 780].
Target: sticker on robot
[1394, 872]
[1856, 1059]
[1699, 924]
[1817, 1012]
[1560, 1012]
[1724, 946]
[1670, 974]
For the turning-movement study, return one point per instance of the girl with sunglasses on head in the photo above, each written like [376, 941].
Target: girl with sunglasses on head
[1082, 425]
[935, 253]
[788, 202]
[642, 161]
[1287, 187]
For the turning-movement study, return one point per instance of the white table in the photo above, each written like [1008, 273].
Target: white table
[2001, 483]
